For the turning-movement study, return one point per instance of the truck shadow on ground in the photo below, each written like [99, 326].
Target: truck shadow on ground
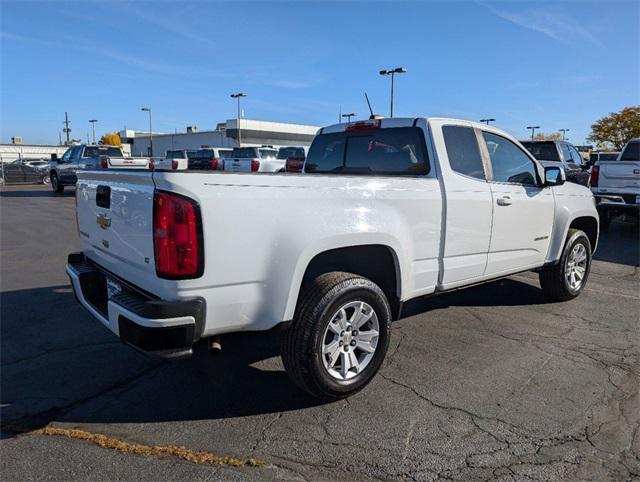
[59, 364]
[620, 244]
[36, 193]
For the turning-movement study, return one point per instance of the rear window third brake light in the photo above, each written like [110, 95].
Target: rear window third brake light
[363, 125]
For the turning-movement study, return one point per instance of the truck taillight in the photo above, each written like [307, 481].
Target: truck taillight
[152, 164]
[174, 165]
[177, 236]
[104, 162]
[214, 164]
[595, 173]
[255, 165]
[294, 164]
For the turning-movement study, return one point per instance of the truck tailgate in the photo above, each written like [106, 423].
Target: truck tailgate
[619, 175]
[115, 221]
[237, 165]
[140, 162]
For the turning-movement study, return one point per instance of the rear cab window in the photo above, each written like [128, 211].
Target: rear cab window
[176, 155]
[97, 151]
[386, 151]
[287, 152]
[631, 152]
[543, 151]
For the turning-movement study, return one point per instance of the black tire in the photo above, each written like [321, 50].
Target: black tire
[303, 340]
[55, 183]
[553, 281]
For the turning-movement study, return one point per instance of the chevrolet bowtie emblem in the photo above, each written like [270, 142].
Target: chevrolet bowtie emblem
[103, 221]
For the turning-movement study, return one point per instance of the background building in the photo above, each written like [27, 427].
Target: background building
[11, 152]
[253, 133]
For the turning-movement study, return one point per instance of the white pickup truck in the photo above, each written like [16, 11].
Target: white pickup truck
[616, 183]
[63, 171]
[385, 211]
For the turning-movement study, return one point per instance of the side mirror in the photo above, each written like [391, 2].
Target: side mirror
[554, 176]
[54, 157]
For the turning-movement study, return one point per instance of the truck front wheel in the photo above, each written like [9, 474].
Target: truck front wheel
[566, 279]
[55, 183]
[339, 337]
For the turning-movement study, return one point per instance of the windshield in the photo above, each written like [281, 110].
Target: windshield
[287, 152]
[398, 150]
[96, 151]
[543, 151]
[631, 152]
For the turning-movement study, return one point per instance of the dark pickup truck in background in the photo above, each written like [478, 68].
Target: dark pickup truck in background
[552, 153]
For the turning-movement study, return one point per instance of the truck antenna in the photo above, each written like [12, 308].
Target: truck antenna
[369, 104]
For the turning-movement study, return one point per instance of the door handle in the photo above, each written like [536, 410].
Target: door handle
[504, 201]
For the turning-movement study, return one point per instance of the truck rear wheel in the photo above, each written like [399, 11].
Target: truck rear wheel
[55, 183]
[339, 337]
[566, 279]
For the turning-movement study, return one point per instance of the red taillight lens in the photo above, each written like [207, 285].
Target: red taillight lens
[104, 163]
[152, 164]
[214, 164]
[255, 165]
[174, 164]
[595, 173]
[294, 164]
[177, 238]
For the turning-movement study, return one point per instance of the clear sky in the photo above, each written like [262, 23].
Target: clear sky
[556, 65]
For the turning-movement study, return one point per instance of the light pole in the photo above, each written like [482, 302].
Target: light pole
[93, 128]
[486, 121]
[533, 129]
[349, 116]
[238, 96]
[392, 72]
[564, 133]
[148, 109]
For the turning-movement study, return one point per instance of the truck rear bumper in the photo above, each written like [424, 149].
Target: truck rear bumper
[617, 201]
[167, 329]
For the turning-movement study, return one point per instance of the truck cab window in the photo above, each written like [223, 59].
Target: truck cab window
[391, 151]
[463, 151]
[509, 162]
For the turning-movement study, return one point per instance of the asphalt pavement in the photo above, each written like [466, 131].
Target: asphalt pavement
[491, 382]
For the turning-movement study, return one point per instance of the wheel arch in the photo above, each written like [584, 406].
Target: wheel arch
[377, 262]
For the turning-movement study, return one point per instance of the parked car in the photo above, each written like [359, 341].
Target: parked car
[616, 184]
[294, 157]
[209, 158]
[551, 153]
[63, 171]
[603, 156]
[387, 211]
[25, 171]
[175, 159]
[254, 159]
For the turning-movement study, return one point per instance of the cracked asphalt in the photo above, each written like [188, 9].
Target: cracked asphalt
[487, 383]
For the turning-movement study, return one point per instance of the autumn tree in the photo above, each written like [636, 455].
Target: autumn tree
[111, 139]
[616, 128]
[554, 136]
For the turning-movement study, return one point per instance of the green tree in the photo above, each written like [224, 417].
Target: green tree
[111, 139]
[615, 129]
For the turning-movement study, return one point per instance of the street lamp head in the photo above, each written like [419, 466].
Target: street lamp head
[351, 114]
[93, 120]
[399, 70]
[146, 109]
[385, 72]
[239, 94]
[533, 127]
